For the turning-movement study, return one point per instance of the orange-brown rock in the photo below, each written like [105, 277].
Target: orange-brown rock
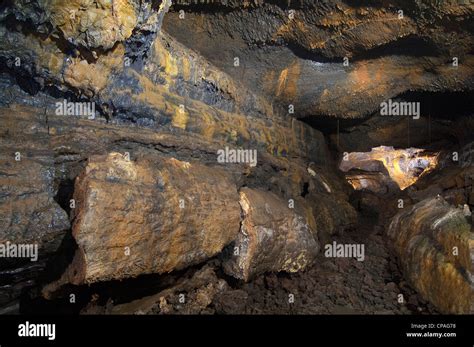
[149, 215]
[404, 166]
[96, 25]
[272, 237]
[435, 246]
[28, 212]
[294, 52]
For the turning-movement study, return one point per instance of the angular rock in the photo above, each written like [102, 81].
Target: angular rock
[152, 215]
[198, 290]
[435, 246]
[272, 238]
[404, 166]
[376, 182]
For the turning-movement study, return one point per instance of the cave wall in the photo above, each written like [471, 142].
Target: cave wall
[137, 188]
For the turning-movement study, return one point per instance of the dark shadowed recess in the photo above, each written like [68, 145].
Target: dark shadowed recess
[443, 106]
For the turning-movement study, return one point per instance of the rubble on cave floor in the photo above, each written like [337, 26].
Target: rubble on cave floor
[330, 286]
[114, 117]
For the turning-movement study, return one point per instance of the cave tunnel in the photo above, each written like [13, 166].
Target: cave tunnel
[237, 157]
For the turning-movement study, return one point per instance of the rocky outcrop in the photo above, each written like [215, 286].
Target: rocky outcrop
[435, 245]
[152, 184]
[272, 237]
[293, 52]
[94, 25]
[205, 102]
[403, 166]
[79, 150]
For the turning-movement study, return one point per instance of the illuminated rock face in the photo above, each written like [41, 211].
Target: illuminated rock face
[377, 182]
[404, 166]
[121, 202]
[435, 247]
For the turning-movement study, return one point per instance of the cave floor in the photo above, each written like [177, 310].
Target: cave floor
[338, 285]
[332, 285]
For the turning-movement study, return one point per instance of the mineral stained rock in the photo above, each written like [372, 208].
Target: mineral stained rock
[272, 237]
[404, 166]
[174, 83]
[152, 215]
[294, 52]
[68, 142]
[94, 25]
[29, 213]
[203, 100]
[435, 245]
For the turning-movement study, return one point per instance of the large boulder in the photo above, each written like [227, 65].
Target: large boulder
[151, 215]
[272, 237]
[435, 245]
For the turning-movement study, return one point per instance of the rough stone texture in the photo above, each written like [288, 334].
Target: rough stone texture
[126, 95]
[453, 182]
[424, 238]
[130, 221]
[192, 294]
[29, 214]
[332, 286]
[28, 210]
[184, 72]
[272, 237]
[299, 61]
[404, 166]
[177, 96]
[95, 25]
